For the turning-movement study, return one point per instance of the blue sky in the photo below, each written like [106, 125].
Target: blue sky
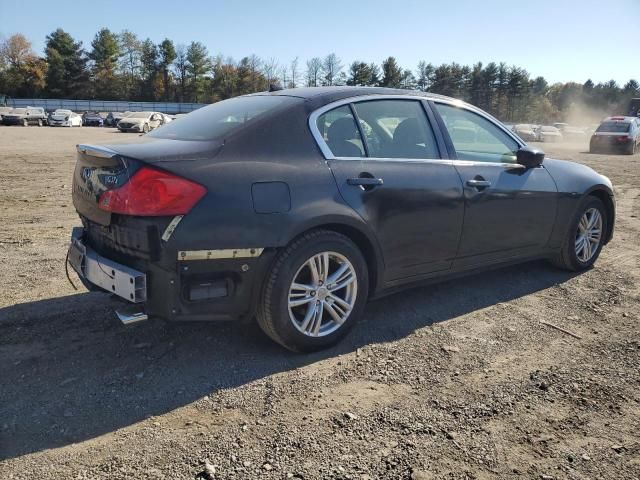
[562, 40]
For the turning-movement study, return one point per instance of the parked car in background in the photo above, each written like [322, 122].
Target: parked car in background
[142, 122]
[547, 133]
[65, 118]
[616, 134]
[4, 111]
[92, 119]
[525, 132]
[25, 117]
[573, 134]
[282, 206]
[114, 117]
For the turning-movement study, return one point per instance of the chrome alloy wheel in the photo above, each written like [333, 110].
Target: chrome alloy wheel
[322, 294]
[588, 235]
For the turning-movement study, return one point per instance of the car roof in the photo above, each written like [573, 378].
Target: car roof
[319, 96]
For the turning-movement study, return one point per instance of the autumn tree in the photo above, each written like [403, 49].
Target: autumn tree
[314, 72]
[332, 68]
[22, 71]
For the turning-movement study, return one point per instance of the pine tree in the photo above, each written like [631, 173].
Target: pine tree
[148, 69]
[67, 75]
[198, 65]
[391, 73]
[167, 54]
[104, 54]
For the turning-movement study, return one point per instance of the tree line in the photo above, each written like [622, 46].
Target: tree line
[121, 66]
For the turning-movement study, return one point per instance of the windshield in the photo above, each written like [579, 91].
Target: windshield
[217, 120]
[549, 129]
[62, 112]
[615, 127]
[139, 115]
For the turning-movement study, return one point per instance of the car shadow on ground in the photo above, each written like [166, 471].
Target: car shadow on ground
[71, 372]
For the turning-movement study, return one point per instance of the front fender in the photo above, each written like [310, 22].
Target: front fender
[575, 182]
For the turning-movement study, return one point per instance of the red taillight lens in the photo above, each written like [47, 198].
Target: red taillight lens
[623, 139]
[152, 193]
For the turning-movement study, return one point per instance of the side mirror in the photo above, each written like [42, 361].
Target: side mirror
[530, 157]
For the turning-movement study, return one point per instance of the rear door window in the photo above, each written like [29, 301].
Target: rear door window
[340, 132]
[396, 129]
[476, 138]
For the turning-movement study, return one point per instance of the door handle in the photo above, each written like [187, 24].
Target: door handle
[365, 181]
[476, 183]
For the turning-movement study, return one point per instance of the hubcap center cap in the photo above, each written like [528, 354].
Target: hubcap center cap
[322, 293]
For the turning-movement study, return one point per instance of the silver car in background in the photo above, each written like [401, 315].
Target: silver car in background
[547, 133]
[142, 122]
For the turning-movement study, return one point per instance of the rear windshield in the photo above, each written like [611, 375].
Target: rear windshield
[616, 127]
[215, 121]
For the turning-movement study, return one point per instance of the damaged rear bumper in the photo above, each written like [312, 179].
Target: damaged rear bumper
[200, 285]
[121, 280]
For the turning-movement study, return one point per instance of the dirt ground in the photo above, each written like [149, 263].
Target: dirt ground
[454, 381]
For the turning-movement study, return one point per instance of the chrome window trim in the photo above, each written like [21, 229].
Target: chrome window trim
[328, 155]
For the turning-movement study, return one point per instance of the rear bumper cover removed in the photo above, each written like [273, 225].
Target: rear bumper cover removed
[123, 281]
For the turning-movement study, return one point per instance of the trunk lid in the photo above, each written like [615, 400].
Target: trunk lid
[98, 169]
[106, 167]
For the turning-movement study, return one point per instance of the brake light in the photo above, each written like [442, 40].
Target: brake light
[622, 139]
[153, 193]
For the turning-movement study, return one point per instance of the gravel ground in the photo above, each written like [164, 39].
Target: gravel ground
[454, 381]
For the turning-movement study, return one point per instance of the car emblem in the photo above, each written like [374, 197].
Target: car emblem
[86, 173]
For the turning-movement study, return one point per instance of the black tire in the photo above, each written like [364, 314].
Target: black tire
[632, 149]
[273, 310]
[567, 258]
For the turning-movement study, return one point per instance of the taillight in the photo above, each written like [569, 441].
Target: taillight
[152, 193]
[623, 139]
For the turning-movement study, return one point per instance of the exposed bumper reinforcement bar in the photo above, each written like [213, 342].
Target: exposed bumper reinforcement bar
[111, 276]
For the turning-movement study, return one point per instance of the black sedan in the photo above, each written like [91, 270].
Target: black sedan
[92, 119]
[296, 206]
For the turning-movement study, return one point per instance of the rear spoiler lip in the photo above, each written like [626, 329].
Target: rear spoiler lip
[96, 151]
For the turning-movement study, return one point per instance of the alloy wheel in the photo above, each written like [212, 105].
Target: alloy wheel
[588, 235]
[322, 294]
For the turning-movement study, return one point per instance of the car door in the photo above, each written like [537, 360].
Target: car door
[385, 157]
[510, 210]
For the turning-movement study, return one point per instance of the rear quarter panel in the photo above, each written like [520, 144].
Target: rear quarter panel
[280, 149]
